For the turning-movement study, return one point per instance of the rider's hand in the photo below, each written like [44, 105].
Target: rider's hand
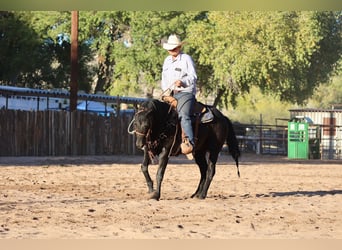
[178, 83]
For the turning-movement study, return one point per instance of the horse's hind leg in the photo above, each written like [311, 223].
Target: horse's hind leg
[209, 174]
[203, 166]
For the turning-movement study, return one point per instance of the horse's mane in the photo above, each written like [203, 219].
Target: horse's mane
[159, 108]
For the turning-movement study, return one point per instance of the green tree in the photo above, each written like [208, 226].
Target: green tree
[284, 53]
[18, 44]
[256, 105]
[35, 50]
[139, 61]
[103, 31]
[287, 54]
[327, 95]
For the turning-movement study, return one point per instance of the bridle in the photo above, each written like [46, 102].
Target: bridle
[142, 134]
[132, 132]
[146, 135]
[149, 143]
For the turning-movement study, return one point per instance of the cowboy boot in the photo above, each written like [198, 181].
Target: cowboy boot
[186, 146]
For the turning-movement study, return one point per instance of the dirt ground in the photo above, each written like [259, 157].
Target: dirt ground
[105, 197]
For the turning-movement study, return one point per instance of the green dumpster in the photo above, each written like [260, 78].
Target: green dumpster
[298, 139]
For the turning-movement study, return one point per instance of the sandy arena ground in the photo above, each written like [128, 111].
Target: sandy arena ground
[105, 197]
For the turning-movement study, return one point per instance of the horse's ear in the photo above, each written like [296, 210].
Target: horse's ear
[149, 111]
[138, 107]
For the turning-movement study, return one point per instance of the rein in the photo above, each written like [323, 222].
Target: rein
[132, 132]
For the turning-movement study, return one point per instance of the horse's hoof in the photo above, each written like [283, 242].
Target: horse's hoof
[194, 195]
[201, 197]
[198, 196]
[155, 196]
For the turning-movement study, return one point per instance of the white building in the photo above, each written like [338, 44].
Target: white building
[330, 123]
[30, 103]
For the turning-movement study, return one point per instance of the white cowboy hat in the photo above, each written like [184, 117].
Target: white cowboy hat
[173, 42]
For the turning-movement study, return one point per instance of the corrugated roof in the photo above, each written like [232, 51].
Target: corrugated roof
[315, 110]
[10, 90]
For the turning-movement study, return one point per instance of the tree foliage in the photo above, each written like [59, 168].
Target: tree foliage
[103, 31]
[139, 60]
[18, 43]
[35, 50]
[327, 95]
[255, 107]
[286, 54]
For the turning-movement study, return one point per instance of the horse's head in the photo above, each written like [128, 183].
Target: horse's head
[143, 122]
[149, 122]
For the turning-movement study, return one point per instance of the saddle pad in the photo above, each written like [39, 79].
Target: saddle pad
[208, 116]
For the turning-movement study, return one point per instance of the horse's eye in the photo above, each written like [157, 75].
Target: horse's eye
[145, 128]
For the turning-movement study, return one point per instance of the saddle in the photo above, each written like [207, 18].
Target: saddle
[202, 114]
[201, 111]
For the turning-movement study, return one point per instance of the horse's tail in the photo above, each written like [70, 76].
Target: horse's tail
[233, 144]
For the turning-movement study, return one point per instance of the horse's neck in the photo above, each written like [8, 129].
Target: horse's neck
[163, 116]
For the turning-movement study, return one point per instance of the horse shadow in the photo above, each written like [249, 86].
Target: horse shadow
[306, 193]
[280, 194]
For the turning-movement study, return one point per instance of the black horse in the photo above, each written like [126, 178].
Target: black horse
[158, 133]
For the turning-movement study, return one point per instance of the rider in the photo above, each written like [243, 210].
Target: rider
[179, 75]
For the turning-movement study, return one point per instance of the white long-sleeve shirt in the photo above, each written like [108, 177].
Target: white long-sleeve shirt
[182, 68]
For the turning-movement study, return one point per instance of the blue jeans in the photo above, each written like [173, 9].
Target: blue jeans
[184, 108]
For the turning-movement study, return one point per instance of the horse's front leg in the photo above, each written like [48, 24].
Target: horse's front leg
[144, 169]
[163, 160]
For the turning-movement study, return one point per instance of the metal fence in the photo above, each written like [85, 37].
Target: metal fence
[330, 142]
[272, 139]
[262, 139]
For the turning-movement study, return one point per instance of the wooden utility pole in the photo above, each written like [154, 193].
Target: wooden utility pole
[74, 60]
